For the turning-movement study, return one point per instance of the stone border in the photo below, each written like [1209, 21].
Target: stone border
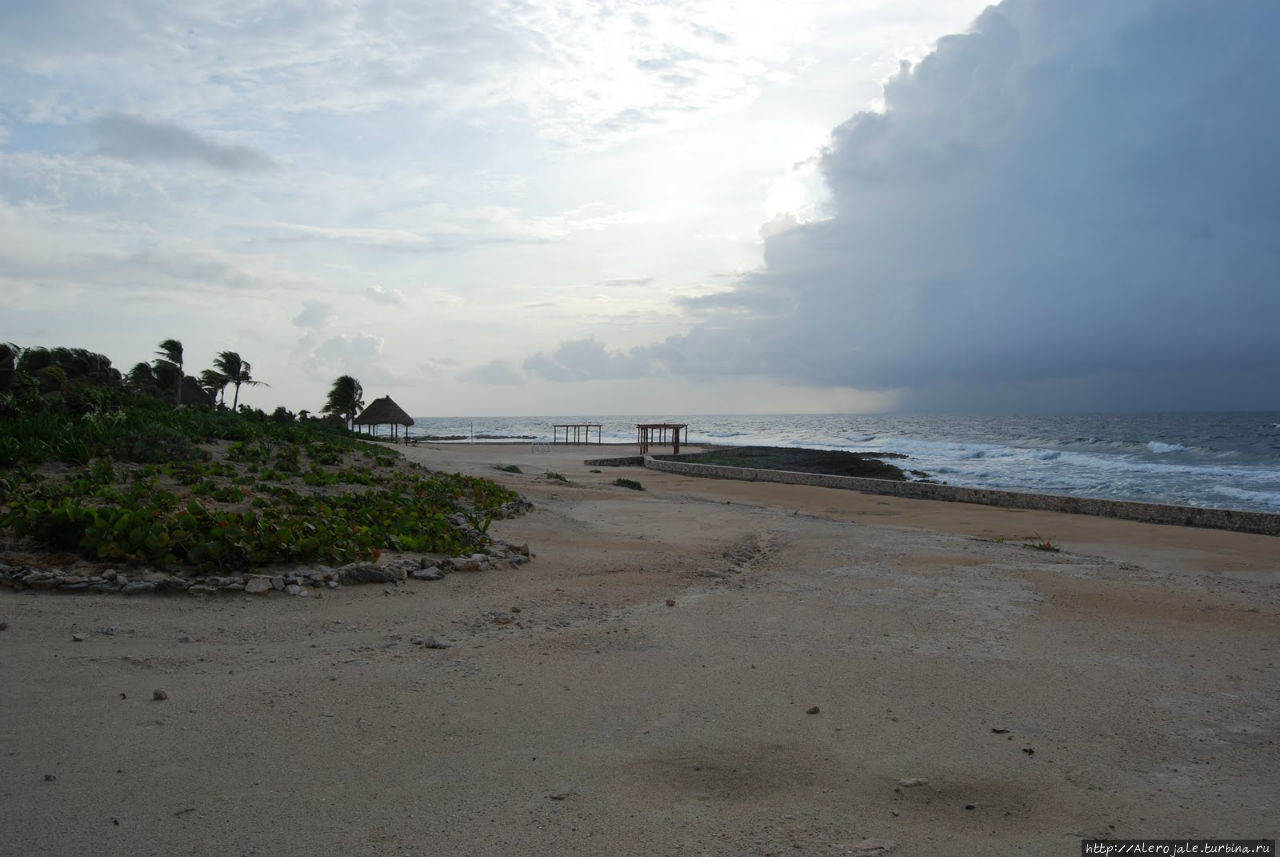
[1262, 523]
[625, 461]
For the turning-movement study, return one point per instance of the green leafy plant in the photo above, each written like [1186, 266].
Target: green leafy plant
[628, 483]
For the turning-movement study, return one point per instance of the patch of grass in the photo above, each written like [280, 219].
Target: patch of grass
[628, 483]
[556, 477]
[593, 470]
[1043, 545]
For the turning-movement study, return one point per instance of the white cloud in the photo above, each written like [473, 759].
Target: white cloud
[389, 297]
[316, 315]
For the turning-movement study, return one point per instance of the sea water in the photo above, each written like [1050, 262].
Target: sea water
[1218, 460]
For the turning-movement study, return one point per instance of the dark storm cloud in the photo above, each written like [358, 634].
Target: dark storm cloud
[132, 139]
[1074, 195]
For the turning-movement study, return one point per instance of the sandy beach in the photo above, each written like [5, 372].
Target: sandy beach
[702, 667]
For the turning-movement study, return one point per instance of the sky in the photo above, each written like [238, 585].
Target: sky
[563, 207]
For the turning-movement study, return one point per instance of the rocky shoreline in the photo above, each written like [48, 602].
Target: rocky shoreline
[295, 582]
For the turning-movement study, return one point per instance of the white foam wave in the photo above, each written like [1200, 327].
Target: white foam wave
[1164, 448]
[1270, 498]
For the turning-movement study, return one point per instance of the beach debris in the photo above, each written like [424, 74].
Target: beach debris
[1030, 751]
[428, 641]
[671, 602]
[870, 848]
[913, 782]
[48, 778]
[997, 730]
[159, 695]
[814, 710]
[79, 637]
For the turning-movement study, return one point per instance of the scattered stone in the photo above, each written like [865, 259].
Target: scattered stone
[870, 848]
[429, 573]
[1030, 751]
[913, 782]
[814, 710]
[466, 563]
[110, 631]
[970, 806]
[258, 585]
[138, 587]
[4, 626]
[428, 641]
[295, 589]
[367, 572]
[999, 731]
[79, 637]
[48, 778]
[671, 602]
[159, 695]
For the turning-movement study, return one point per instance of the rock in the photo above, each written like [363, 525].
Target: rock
[159, 695]
[429, 573]
[277, 583]
[428, 641]
[79, 637]
[870, 848]
[138, 587]
[367, 572]
[466, 563]
[4, 626]
[671, 602]
[48, 778]
[82, 586]
[258, 585]
[913, 782]
[295, 589]
[813, 710]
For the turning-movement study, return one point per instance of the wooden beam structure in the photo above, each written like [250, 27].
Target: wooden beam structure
[649, 434]
[581, 432]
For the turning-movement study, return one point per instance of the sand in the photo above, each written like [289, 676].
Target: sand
[704, 667]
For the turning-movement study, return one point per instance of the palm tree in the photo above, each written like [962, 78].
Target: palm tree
[214, 382]
[346, 398]
[169, 360]
[237, 371]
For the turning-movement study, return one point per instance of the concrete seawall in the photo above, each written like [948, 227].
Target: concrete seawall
[1152, 513]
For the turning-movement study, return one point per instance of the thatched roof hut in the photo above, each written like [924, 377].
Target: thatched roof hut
[383, 412]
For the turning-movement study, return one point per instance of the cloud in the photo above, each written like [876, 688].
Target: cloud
[316, 315]
[1074, 194]
[129, 138]
[380, 295]
[589, 359]
[498, 372]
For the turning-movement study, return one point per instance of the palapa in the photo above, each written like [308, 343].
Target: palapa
[382, 412]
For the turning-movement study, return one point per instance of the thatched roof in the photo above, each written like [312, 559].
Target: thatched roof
[382, 412]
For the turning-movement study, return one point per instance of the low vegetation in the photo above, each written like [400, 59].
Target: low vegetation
[628, 483]
[92, 466]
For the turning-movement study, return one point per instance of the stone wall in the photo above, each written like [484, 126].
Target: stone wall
[624, 461]
[1152, 513]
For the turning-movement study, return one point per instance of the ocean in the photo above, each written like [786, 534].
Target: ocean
[1215, 460]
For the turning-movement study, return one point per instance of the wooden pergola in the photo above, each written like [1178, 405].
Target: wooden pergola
[648, 434]
[581, 432]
